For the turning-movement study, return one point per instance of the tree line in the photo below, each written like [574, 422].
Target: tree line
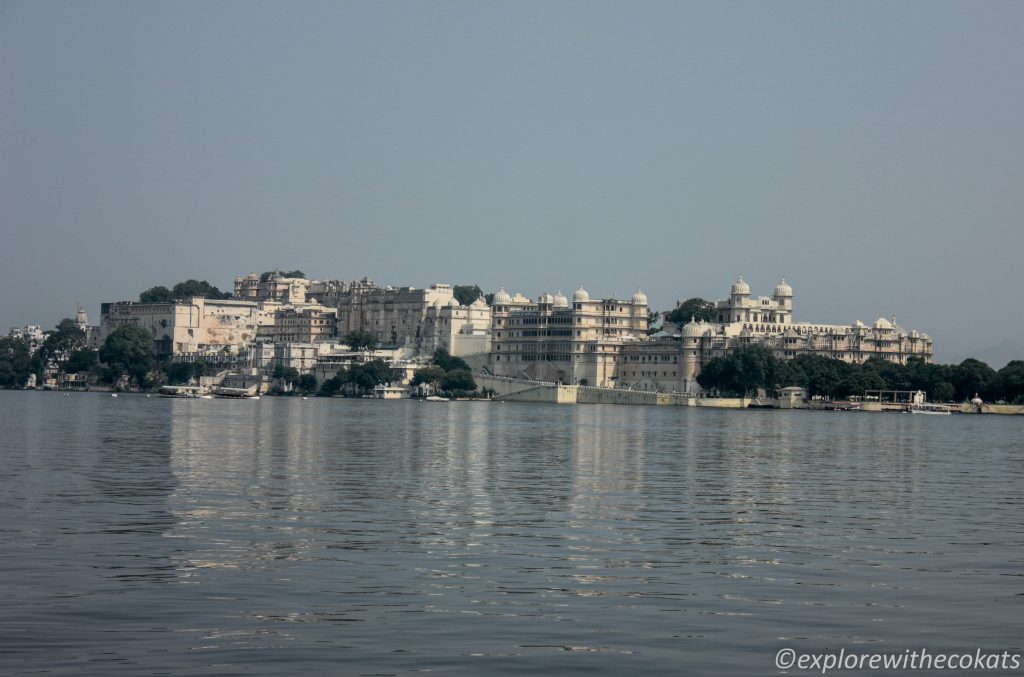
[182, 291]
[446, 374]
[747, 369]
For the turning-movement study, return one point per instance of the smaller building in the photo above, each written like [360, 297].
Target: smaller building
[275, 287]
[305, 324]
[32, 334]
[194, 326]
[792, 397]
[390, 392]
[461, 330]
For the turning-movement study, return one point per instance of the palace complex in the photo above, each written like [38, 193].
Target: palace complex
[275, 320]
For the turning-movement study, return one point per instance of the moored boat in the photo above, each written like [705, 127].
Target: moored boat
[918, 405]
[928, 408]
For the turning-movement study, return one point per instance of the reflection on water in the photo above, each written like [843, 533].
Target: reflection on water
[364, 537]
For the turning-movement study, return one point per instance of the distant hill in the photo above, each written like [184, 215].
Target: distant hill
[998, 355]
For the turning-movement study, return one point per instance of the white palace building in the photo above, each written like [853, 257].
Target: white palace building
[604, 342]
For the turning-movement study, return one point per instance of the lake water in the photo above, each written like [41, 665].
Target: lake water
[213, 537]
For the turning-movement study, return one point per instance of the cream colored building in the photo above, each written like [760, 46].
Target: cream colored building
[303, 324]
[673, 362]
[193, 326]
[461, 330]
[418, 320]
[553, 339]
[395, 315]
[275, 288]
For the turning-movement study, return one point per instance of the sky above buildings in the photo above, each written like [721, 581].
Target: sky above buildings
[870, 152]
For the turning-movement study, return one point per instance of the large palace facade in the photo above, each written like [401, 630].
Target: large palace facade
[553, 339]
[604, 342]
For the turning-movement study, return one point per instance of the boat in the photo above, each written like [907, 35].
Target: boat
[929, 408]
[436, 398]
[182, 392]
[237, 393]
[918, 405]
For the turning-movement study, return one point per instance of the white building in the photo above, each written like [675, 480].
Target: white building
[461, 330]
[551, 339]
[31, 334]
[673, 362]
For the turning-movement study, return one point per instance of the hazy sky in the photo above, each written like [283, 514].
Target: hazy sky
[870, 152]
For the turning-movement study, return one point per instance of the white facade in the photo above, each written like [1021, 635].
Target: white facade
[461, 330]
[672, 363]
[553, 339]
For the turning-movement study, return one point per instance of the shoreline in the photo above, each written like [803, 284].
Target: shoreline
[550, 393]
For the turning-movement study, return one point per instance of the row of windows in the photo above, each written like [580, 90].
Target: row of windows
[546, 332]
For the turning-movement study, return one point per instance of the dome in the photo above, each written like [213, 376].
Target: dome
[740, 287]
[640, 297]
[882, 323]
[479, 302]
[580, 295]
[692, 329]
[783, 289]
[560, 300]
[502, 297]
[454, 303]
[546, 298]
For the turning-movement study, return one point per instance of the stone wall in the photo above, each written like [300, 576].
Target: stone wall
[524, 390]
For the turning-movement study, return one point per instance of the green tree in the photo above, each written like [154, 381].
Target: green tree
[60, 343]
[696, 308]
[182, 291]
[1009, 382]
[431, 375]
[192, 288]
[307, 383]
[330, 387]
[80, 360]
[290, 375]
[896, 376]
[653, 322]
[363, 377]
[972, 376]
[158, 294]
[291, 273]
[447, 362]
[458, 381]
[716, 374]
[361, 340]
[178, 373]
[824, 376]
[759, 368]
[15, 362]
[286, 373]
[942, 391]
[465, 294]
[128, 350]
[742, 371]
